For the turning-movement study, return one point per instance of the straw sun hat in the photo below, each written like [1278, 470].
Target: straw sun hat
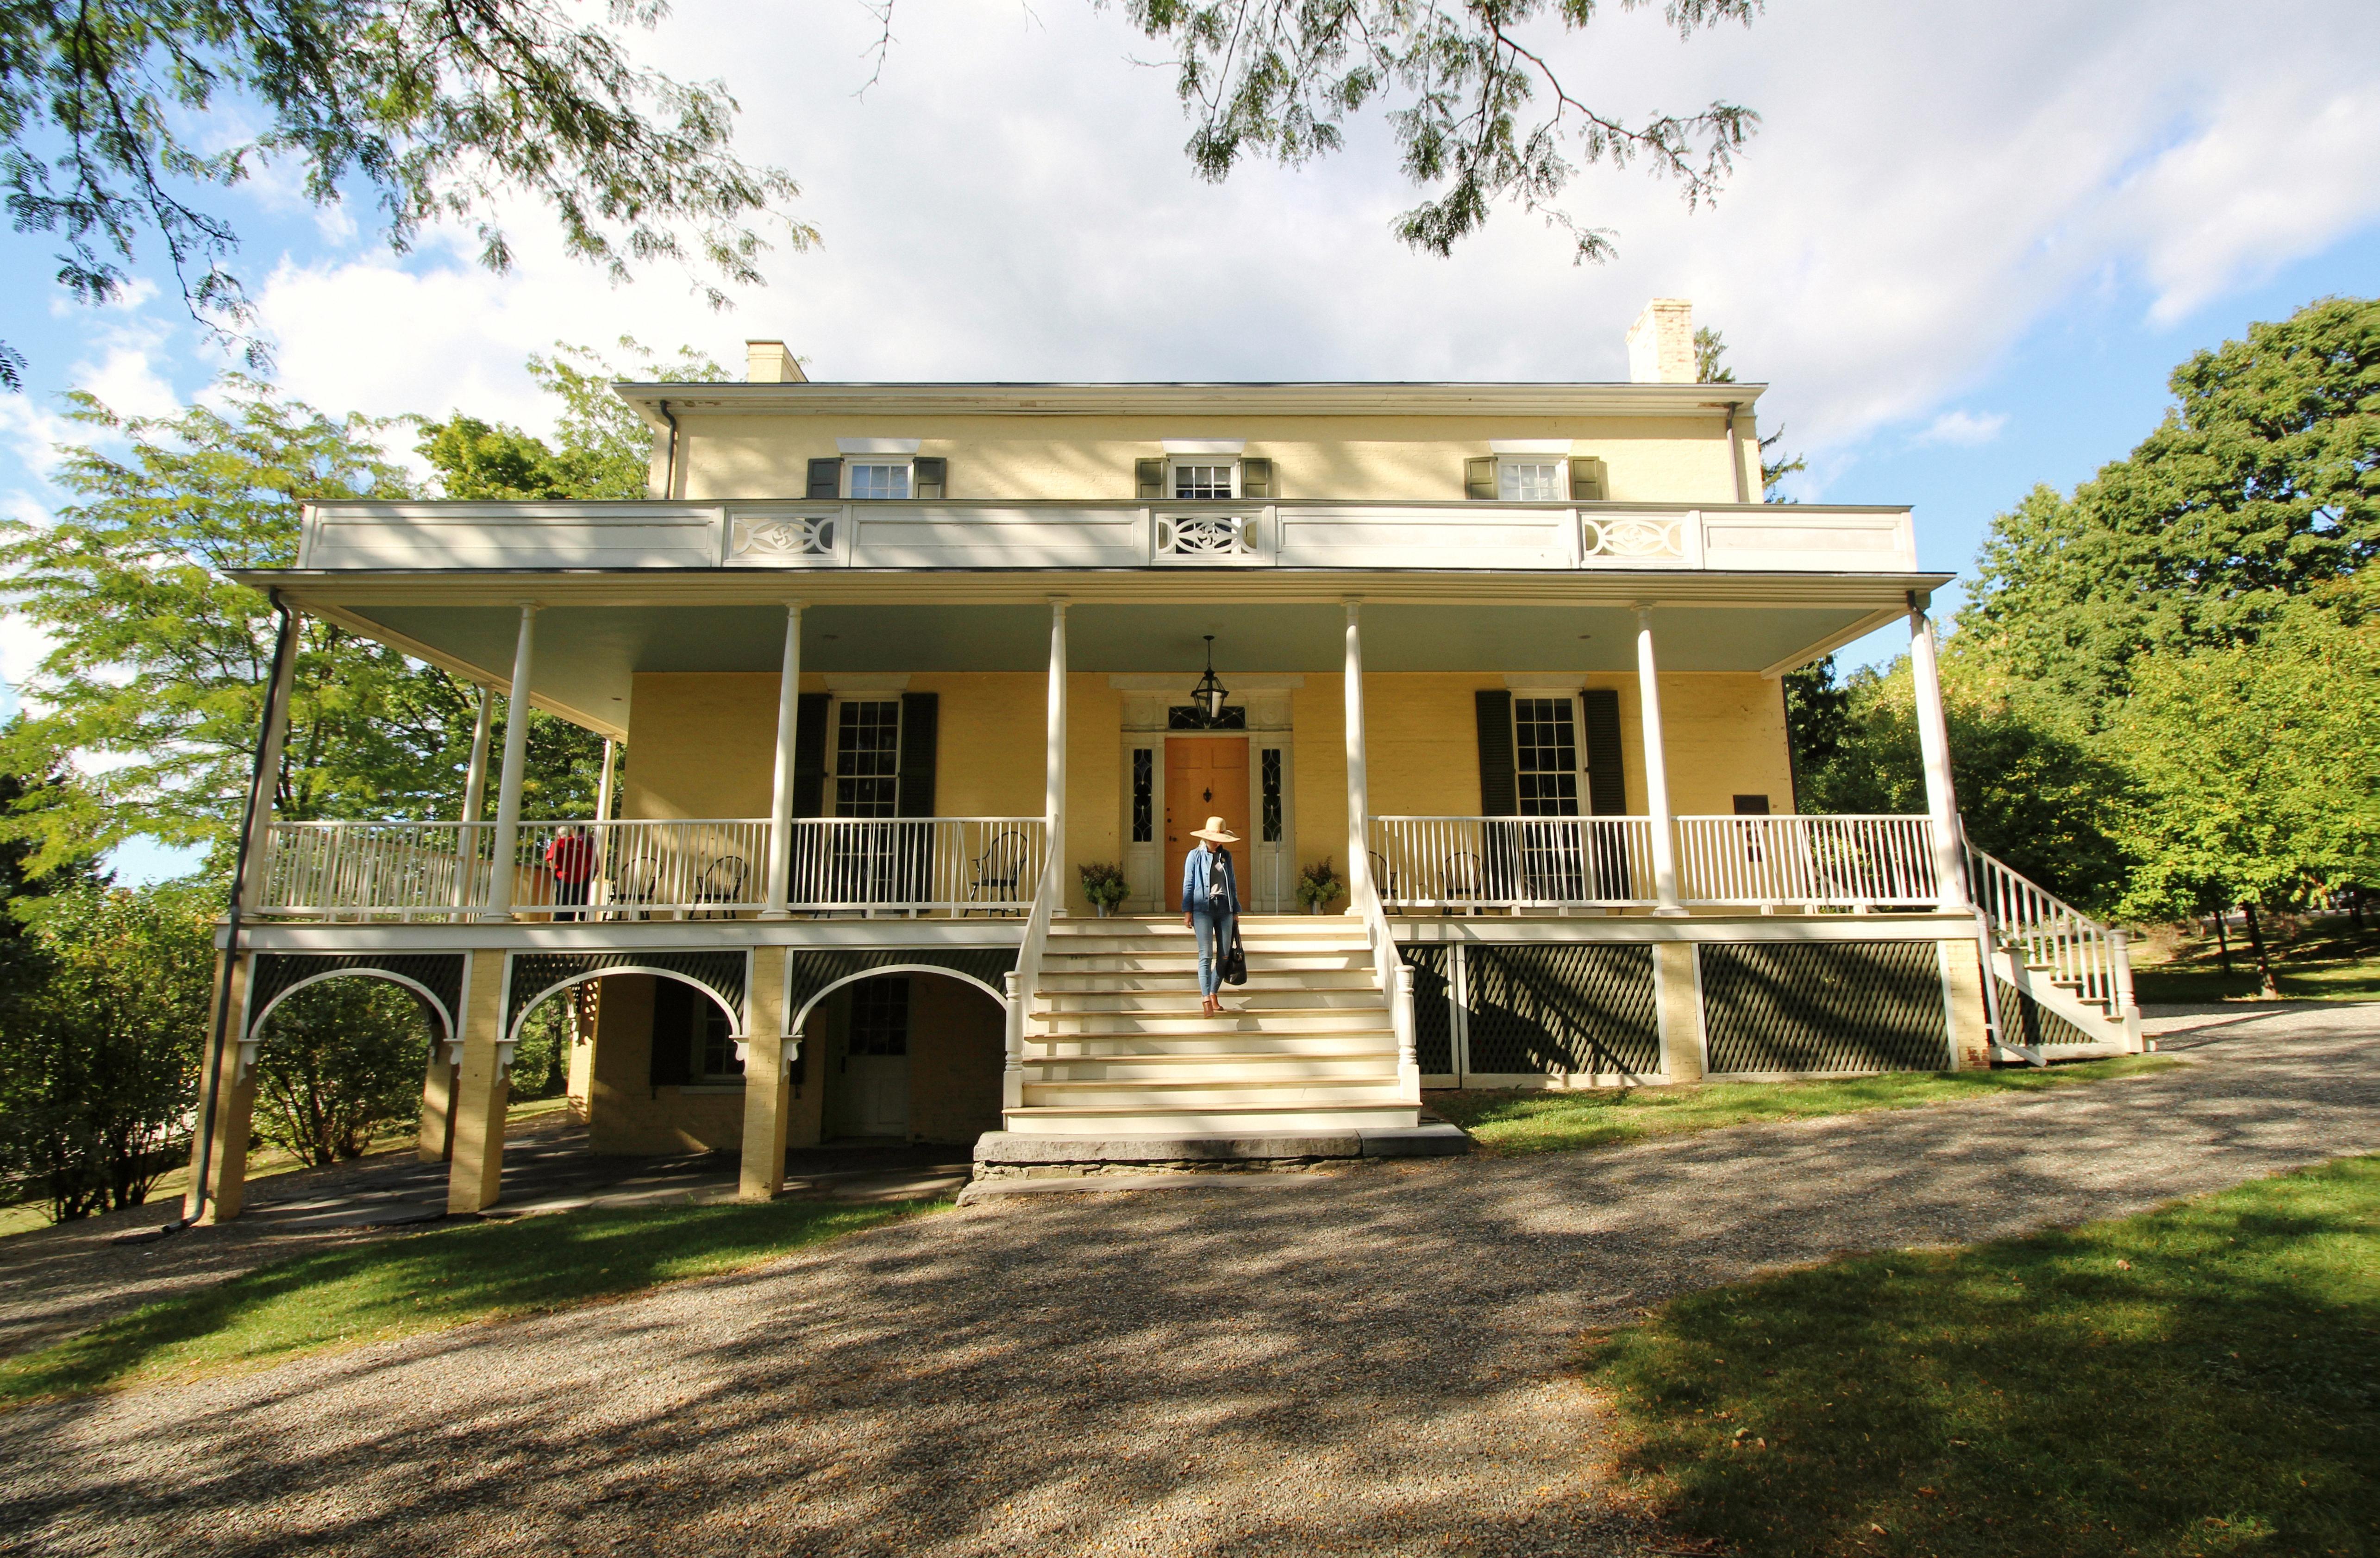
[1216, 831]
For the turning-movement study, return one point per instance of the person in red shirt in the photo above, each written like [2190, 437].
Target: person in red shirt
[571, 858]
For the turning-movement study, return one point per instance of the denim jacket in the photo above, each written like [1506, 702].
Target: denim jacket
[1196, 880]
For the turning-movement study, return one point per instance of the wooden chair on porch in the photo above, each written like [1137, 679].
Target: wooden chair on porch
[996, 880]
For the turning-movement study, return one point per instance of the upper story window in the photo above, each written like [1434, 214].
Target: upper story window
[868, 757]
[1529, 478]
[878, 478]
[1545, 757]
[1205, 479]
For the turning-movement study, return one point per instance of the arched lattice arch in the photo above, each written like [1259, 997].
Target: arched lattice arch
[435, 979]
[532, 976]
[812, 973]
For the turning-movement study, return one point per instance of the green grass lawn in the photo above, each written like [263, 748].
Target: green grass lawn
[1510, 1122]
[2201, 1380]
[2330, 961]
[450, 1275]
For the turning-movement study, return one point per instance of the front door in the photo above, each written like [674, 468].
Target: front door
[1205, 776]
[873, 1087]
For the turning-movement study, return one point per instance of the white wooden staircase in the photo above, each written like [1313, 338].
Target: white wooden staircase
[2072, 969]
[1115, 1045]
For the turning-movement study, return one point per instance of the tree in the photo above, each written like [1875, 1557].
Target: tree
[1460, 87]
[109, 112]
[2257, 769]
[1710, 353]
[98, 1056]
[2261, 486]
[2028, 791]
[338, 1062]
[600, 449]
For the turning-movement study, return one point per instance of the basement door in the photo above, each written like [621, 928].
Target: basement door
[1205, 776]
[874, 1085]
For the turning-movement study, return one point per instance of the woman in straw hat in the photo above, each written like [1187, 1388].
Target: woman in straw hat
[1210, 898]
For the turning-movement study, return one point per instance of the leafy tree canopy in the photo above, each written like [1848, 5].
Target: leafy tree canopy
[600, 449]
[2262, 485]
[116, 115]
[1479, 113]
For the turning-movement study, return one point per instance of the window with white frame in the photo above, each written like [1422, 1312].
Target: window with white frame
[1532, 478]
[715, 1044]
[873, 477]
[868, 757]
[1545, 756]
[1204, 477]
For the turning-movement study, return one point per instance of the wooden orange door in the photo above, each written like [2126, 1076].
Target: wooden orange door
[1205, 776]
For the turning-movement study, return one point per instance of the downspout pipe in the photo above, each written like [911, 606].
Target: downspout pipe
[285, 644]
[669, 470]
[1736, 452]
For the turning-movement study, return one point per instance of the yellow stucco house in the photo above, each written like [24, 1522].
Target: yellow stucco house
[890, 662]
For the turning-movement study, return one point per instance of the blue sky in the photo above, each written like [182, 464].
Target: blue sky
[1965, 249]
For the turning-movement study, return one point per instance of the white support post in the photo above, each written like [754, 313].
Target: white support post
[475, 782]
[508, 784]
[1359, 820]
[780, 806]
[1657, 770]
[1053, 801]
[1933, 748]
[267, 780]
[603, 785]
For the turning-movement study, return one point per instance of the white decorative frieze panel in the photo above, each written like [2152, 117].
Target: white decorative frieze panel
[1636, 541]
[1208, 538]
[761, 540]
[1056, 536]
[1418, 536]
[1834, 543]
[511, 535]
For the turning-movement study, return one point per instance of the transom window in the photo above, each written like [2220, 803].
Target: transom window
[1204, 481]
[879, 479]
[868, 757]
[1530, 481]
[1545, 756]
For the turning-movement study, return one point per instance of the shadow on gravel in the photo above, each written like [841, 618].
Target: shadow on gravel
[1380, 1366]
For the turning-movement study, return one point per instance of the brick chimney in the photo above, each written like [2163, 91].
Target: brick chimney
[768, 363]
[1661, 343]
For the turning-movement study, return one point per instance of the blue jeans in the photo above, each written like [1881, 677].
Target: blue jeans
[1214, 937]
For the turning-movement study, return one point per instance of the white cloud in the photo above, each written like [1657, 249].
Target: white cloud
[1967, 429]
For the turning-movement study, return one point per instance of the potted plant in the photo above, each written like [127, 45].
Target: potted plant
[1103, 884]
[1318, 884]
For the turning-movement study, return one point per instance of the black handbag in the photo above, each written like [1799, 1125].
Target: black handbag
[1235, 958]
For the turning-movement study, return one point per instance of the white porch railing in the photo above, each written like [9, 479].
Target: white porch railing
[1448, 863]
[645, 870]
[2044, 932]
[1819, 862]
[1513, 863]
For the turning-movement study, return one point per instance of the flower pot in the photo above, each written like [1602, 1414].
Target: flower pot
[1102, 909]
[1313, 907]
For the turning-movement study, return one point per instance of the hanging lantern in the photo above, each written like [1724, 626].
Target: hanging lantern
[1210, 694]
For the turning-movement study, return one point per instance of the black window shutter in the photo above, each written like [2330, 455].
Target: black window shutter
[1606, 781]
[1479, 477]
[809, 755]
[1587, 484]
[1255, 478]
[1500, 793]
[920, 718]
[929, 478]
[673, 1032]
[826, 479]
[1149, 476]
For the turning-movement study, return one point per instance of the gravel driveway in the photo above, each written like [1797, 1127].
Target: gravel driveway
[1371, 1362]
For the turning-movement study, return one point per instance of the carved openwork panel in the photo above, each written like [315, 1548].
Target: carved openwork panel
[1635, 537]
[1207, 537]
[760, 540]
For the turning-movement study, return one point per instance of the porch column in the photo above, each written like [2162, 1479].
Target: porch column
[508, 787]
[1657, 770]
[475, 782]
[1054, 797]
[1933, 748]
[435, 1143]
[264, 784]
[781, 805]
[1359, 818]
[483, 1088]
[233, 1090]
[603, 785]
[767, 1080]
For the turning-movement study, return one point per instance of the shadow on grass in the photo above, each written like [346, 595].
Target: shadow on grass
[1558, 1122]
[449, 1275]
[2201, 1380]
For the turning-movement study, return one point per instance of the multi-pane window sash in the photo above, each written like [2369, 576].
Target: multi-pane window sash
[718, 1059]
[880, 480]
[1530, 481]
[1545, 757]
[1202, 480]
[880, 1018]
[867, 758]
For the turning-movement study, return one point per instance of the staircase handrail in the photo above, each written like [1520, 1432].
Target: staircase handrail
[2052, 933]
[1027, 978]
[1388, 971]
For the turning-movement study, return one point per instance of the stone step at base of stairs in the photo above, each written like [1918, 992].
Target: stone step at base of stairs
[1139, 1122]
[1260, 1144]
